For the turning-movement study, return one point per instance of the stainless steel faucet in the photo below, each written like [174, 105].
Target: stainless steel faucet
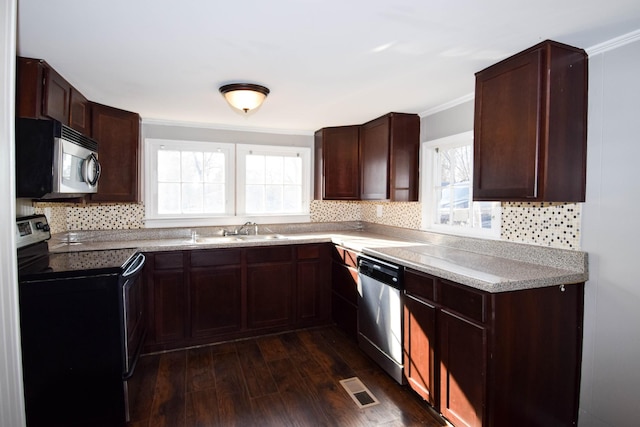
[242, 230]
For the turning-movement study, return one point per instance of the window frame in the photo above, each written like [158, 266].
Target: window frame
[232, 215]
[428, 190]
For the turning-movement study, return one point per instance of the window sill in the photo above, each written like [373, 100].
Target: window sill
[224, 220]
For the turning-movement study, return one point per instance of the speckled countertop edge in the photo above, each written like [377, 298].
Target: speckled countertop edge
[492, 266]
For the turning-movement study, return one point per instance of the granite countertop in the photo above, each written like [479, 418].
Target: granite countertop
[492, 266]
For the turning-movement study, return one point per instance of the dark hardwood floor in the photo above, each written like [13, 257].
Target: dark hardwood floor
[290, 379]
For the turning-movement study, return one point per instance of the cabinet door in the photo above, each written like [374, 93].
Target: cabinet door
[117, 133]
[374, 159]
[337, 163]
[419, 347]
[215, 294]
[80, 113]
[312, 285]
[169, 306]
[57, 95]
[269, 295]
[463, 349]
[507, 129]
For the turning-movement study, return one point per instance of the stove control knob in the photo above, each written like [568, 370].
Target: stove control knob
[42, 226]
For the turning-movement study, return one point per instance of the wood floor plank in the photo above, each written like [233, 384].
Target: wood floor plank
[271, 411]
[168, 407]
[300, 356]
[200, 371]
[256, 373]
[228, 374]
[300, 399]
[236, 410]
[141, 389]
[326, 354]
[202, 408]
[272, 348]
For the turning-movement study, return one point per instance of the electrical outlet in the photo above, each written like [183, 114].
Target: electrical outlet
[379, 211]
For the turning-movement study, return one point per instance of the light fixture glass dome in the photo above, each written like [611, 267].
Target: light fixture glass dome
[244, 96]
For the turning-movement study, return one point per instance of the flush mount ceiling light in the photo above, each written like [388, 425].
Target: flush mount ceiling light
[244, 96]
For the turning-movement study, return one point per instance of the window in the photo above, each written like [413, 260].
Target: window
[205, 183]
[274, 180]
[448, 204]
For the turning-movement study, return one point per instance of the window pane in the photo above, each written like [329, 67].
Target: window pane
[292, 170]
[273, 198]
[214, 170]
[168, 166]
[168, 198]
[192, 200]
[214, 198]
[254, 198]
[192, 167]
[274, 170]
[255, 169]
[292, 200]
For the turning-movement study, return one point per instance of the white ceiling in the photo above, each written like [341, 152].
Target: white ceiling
[326, 62]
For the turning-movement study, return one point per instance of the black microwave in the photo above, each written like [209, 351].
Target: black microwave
[54, 161]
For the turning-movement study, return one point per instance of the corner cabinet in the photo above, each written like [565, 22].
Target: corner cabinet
[337, 163]
[389, 147]
[494, 359]
[374, 161]
[530, 126]
[118, 135]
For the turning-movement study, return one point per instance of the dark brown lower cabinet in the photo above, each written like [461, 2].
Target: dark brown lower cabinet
[198, 297]
[344, 290]
[494, 359]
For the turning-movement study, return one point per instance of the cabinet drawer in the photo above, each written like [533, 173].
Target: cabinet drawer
[347, 257]
[205, 258]
[463, 300]
[309, 251]
[167, 260]
[270, 254]
[420, 285]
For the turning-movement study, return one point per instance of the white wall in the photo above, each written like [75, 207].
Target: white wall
[611, 236]
[11, 400]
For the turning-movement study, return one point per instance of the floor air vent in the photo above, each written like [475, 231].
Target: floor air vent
[359, 392]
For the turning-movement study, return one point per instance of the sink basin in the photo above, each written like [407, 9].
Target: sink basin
[216, 239]
[262, 237]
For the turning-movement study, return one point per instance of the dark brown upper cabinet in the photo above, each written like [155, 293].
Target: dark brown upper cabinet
[531, 125]
[118, 135]
[374, 161]
[337, 162]
[43, 93]
[389, 147]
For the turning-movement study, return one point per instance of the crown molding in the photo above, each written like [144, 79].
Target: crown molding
[160, 122]
[447, 105]
[614, 43]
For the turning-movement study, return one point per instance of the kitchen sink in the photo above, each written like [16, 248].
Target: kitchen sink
[262, 237]
[216, 239]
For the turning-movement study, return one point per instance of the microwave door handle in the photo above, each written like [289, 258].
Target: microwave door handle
[89, 162]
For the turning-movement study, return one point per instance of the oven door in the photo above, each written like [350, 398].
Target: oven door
[133, 321]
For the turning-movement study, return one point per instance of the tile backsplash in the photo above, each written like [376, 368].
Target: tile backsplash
[545, 224]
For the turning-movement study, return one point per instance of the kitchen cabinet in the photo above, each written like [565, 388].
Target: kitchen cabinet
[337, 163]
[215, 294]
[167, 305]
[42, 93]
[484, 359]
[344, 290]
[198, 297]
[389, 147]
[313, 299]
[269, 287]
[374, 161]
[530, 126]
[118, 135]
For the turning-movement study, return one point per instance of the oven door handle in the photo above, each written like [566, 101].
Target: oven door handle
[135, 266]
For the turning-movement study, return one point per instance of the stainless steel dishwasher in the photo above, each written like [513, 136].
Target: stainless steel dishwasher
[380, 314]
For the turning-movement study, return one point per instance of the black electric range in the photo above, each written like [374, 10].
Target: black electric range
[83, 326]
